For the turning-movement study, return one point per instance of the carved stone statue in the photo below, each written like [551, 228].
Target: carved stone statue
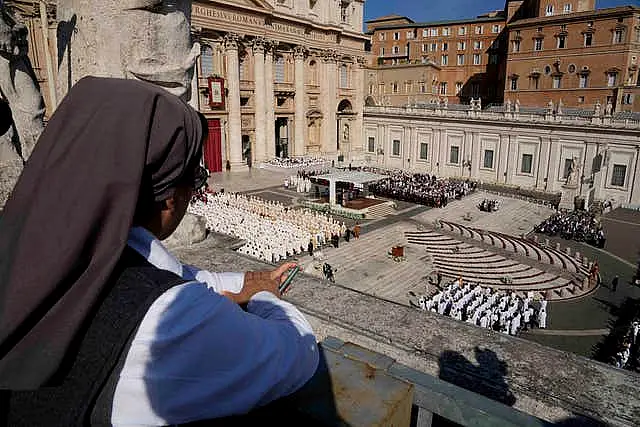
[597, 109]
[20, 91]
[148, 40]
[572, 177]
[508, 106]
[345, 132]
[560, 106]
[608, 109]
[517, 106]
[550, 107]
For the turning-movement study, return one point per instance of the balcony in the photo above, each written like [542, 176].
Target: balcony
[459, 373]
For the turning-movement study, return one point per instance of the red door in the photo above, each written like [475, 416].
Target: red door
[213, 147]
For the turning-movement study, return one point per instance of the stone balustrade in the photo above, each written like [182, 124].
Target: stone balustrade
[521, 117]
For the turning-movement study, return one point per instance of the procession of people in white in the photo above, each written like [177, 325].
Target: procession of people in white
[272, 231]
[486, 307]
[299, 183]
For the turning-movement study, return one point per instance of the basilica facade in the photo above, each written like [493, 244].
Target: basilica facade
[279, 78]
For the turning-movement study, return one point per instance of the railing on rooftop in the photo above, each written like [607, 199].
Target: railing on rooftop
[621, 120]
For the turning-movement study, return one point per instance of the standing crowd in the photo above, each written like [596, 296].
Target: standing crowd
[581, 226]
[486, 307]
[295, 162]
[421, 188]
[272, 231]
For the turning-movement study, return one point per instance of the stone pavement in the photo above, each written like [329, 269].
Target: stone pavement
[515, 217]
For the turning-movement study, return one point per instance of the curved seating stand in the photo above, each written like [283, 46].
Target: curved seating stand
[461, 258]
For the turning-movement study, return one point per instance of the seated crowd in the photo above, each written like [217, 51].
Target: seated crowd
[272, 231]
[421, 188]
[486, 307]
[577, 225]
[295, 162]
[489, 205]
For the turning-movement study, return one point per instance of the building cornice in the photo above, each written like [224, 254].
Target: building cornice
[574, 17]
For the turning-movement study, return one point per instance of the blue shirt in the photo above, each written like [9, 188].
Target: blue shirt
[197, 355]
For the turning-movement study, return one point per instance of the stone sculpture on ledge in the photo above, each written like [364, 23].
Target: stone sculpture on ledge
[19, 90]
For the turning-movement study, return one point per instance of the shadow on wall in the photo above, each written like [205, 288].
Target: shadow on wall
[487, 378]
[63, 35]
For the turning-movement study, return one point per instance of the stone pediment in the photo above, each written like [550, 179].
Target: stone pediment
[259, 4]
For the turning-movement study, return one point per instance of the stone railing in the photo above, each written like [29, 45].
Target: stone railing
[522, 117]
[542, 382]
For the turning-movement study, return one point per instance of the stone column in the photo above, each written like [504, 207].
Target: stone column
[357, 136]
[233, 99]
[298, 147]
[329, 103]
[269, 104]
[260, 106]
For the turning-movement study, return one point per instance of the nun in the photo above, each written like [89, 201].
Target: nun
[99, 323]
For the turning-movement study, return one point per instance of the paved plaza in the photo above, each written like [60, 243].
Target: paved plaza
[578, 318]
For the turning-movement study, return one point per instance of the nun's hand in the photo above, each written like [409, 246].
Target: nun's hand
[259, 281]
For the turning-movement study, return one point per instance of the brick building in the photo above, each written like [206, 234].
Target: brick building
[470, 54]
[535, 51]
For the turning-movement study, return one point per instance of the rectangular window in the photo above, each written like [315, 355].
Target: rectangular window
[562, 42]
[581, 100]
[433, 32]
[444, 60]
[458, 87]
[493, 58]
[371, 144]
[583, 81]
[425, 33]
[495, 28]
[381, 51]
[618, 175]
[445, 47]
[443, 88]
[535, 82]
[537, 44]
[409, 35]
[344, 76]
[425, 47]
[514, 83]
[567, 8]
[516, 45]
[618, 36]
[612, 79]
[627, 99]
[395, 149]
[549, 10]
[479, 29]
[423, 87]
[477, 59]
[567, 168]
[454, 154]
[588, 39]
[445, 31]
[396, 50]
[279, 74]
[462, 45]
[424, 149]
[488, 159]
[527, 163]
[381, 36]
[460, 59]
[477, 45]
[396, 36]
[462, 31]
[557, 82]
[434, 47]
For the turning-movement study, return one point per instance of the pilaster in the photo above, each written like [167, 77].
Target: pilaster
[260, 105]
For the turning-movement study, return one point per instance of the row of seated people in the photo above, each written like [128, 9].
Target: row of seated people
[489, 205]
[486, 307]
[581, 226]
[273, 232]
[421, 188]
[295, 162]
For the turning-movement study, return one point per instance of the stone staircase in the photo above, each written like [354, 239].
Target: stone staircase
[381, 210]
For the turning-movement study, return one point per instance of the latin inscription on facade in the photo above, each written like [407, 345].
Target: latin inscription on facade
[288, 29]
[224, 15]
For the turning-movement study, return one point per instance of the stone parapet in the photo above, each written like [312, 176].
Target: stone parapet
[546, 383]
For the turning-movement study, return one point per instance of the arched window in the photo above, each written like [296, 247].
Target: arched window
[206, 61]
[344, 76]
[313, 72]
[279, 69]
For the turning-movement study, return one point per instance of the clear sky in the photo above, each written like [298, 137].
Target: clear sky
[434, 10]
